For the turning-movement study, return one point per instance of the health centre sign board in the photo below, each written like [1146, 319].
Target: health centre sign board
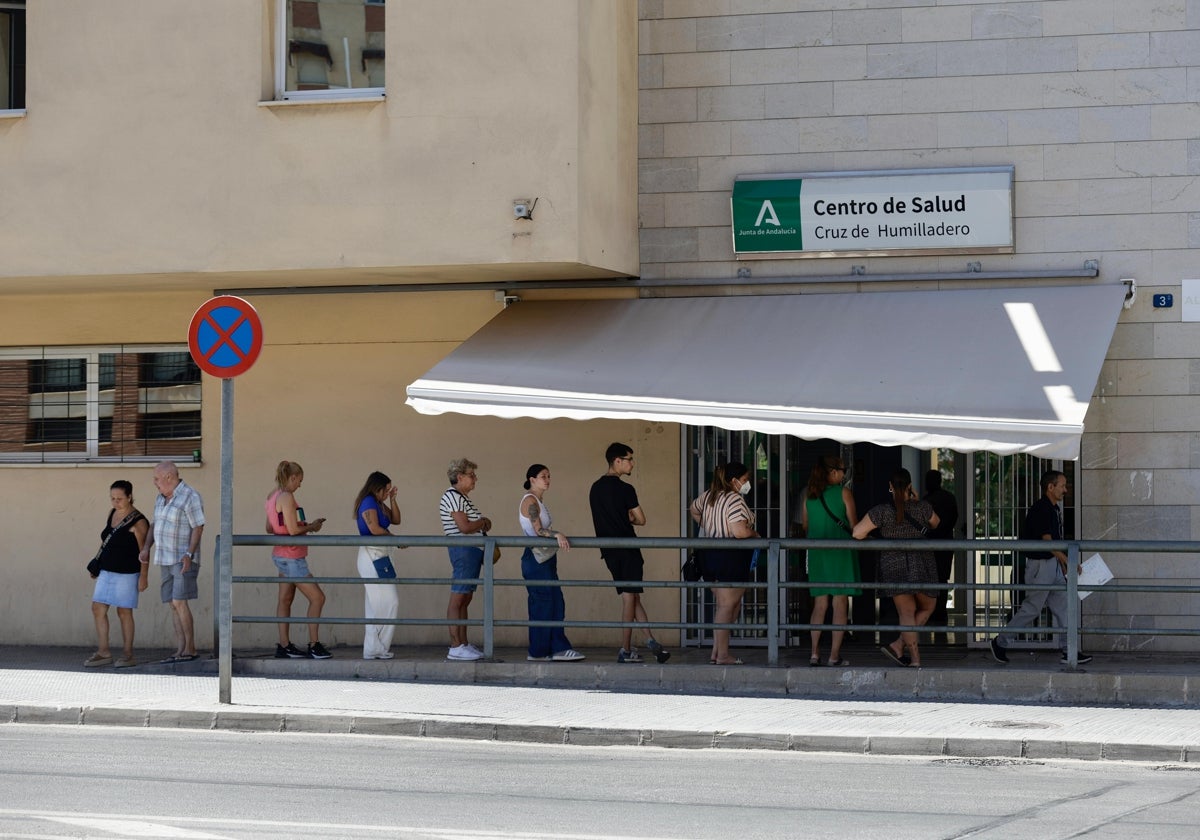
[872, 213]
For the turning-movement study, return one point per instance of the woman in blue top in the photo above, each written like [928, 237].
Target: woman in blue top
[375, 509]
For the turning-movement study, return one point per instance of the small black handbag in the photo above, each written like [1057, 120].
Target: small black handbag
[93, 565]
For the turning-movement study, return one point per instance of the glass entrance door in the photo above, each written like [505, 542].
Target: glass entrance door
[704, 448]
[1002, 489]
[780, 467]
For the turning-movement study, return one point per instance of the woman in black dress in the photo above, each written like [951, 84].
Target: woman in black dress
[904, 518]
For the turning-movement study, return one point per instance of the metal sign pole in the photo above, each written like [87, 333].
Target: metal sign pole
[225, 337]
[225, 559]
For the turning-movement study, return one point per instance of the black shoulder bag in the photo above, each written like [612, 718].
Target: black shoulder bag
[921, 529]
[844, 526]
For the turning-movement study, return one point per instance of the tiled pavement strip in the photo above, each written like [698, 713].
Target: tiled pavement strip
[601, 703]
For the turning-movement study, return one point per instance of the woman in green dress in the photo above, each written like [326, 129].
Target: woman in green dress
[829, 514]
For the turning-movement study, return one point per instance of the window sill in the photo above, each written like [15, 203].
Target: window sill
[108, 463]
[12, 114]
[322, 101]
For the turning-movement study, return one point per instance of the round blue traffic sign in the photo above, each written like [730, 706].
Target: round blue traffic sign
[225, 336]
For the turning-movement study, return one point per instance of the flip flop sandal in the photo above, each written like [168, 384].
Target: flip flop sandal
[838, 663]
[887, 651]
[815, 662]
[97, 661]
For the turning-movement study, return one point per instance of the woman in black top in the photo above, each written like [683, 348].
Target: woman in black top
[904, 518]
[122, 576]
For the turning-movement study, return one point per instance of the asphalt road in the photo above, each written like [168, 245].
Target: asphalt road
[103, 782]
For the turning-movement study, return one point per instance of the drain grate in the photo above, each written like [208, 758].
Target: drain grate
[860, 713]
[986, 762]
[1016, 724]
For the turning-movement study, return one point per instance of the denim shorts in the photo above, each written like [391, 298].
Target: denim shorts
[290, 568]
[467, 562]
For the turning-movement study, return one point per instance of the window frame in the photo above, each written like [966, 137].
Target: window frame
[91, 355]
[328, 94]
[22, 7]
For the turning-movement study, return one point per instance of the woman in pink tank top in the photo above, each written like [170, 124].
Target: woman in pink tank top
[286, 518]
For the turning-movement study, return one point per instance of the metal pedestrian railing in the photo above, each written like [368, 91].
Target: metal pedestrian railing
[776, 588]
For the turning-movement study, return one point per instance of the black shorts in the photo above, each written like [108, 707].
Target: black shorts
[625, 564]
[726, 565]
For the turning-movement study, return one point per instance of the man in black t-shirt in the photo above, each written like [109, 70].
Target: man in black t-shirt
[1042, 522]
[615, 510]
[946, 507]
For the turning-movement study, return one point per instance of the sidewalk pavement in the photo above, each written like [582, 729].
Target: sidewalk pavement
[961, 704]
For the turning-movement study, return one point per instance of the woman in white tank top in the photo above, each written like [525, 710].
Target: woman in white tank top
[546, 603]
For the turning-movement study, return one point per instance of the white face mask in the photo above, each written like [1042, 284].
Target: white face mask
[745, 488]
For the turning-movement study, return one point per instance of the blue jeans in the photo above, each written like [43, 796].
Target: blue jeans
[545, 604]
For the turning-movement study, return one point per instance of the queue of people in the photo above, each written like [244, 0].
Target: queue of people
[130, 544]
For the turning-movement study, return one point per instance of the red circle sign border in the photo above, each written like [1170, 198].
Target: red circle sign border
[202, 314]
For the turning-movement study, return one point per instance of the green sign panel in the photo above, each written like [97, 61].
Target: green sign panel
[766, 216]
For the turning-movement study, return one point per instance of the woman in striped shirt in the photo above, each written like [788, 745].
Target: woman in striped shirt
[723, 513]
[459, 518]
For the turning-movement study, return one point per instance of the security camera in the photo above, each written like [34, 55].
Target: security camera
[523, 208]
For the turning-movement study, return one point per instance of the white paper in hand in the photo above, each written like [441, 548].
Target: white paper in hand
[1095, 572]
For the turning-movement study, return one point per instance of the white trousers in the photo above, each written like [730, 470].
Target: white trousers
[380, 600]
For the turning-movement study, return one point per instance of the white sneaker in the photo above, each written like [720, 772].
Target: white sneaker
[474, 649]
[464, 653]
[537, 658]
[568, 655]
[386, 655]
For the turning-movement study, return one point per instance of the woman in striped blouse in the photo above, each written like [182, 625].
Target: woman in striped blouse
[460, 517]
[723, 513]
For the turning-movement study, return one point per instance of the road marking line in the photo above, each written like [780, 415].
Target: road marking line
[127, 823]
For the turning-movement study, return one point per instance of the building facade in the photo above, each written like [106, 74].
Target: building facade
[1095, 106]
[381, 186]
[338, 169]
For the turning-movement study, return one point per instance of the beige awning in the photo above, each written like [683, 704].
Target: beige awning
[1001, 370]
